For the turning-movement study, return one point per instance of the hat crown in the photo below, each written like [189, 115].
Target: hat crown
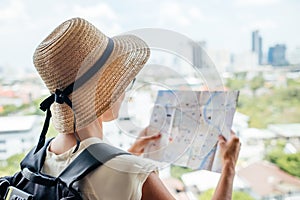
[59, 56]
[55, 35]
[76, 48]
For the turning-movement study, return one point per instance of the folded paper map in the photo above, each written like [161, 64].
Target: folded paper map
[190, 122]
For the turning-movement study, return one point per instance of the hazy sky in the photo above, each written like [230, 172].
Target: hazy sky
[223, 24]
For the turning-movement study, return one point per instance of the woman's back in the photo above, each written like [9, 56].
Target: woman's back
[120, 178]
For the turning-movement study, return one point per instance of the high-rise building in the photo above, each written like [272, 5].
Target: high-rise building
[257, 45]
[221, 59]
[245, 61]
[276, 55]
[292, 56]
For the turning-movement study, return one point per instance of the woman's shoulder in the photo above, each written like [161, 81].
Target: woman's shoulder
[125, 162]
[126, 173]
[131, 163]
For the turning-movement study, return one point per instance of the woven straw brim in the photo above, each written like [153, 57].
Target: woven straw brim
[71, 50]
[98, 94]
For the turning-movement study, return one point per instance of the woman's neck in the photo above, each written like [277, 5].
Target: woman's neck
[94, 129]
[64, 142]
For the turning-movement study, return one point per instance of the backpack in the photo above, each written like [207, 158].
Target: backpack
[30, 183]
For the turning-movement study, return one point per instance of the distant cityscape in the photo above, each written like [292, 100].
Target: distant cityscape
[21, 90]
[276, 56]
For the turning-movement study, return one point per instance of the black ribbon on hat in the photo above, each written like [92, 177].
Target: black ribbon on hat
[61, 96]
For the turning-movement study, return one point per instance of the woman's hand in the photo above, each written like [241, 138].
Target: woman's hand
[142, 141]
[229, 150]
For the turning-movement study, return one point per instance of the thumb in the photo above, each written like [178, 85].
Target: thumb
[153, 137]
[222, 141]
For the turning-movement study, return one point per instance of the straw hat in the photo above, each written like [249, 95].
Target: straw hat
[69, 52]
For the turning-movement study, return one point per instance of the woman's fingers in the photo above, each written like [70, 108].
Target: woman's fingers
[222, 141]
[143, 133]
[234, 144]
[145, 140]
[154, 137]
[229, 149]
[142, 141]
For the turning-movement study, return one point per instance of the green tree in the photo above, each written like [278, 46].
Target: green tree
[239, 195]
[177, 171]
[256, 83]
[11, 165]
[235, 84]
[8, 109]
[207, 195]
[236, 195]
[289, 163]
[240, 75]
[280, 105]
[293, 82]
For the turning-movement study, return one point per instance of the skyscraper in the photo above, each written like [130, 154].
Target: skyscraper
[276, 55]
[293, 56]
[257, 45]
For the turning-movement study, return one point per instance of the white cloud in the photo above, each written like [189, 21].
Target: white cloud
[14, 17]
[178, 14]
[101, 10]
[195, 13]
[264, 24]
[14, 10]
[101, 15]
[242, 3]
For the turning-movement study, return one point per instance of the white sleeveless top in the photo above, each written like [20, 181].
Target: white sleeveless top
[121, 178]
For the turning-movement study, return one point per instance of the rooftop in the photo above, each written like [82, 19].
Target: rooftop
[257, 133]
[266, 179]
[17, 123]
[205, 180]
[285, 130]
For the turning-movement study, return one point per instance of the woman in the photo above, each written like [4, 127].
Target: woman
[87, 74]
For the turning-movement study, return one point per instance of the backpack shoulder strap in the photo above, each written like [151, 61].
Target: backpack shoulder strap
[92, 157]
[34, 161]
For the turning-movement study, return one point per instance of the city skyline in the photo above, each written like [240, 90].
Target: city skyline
[223, 25]
[257, 43]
